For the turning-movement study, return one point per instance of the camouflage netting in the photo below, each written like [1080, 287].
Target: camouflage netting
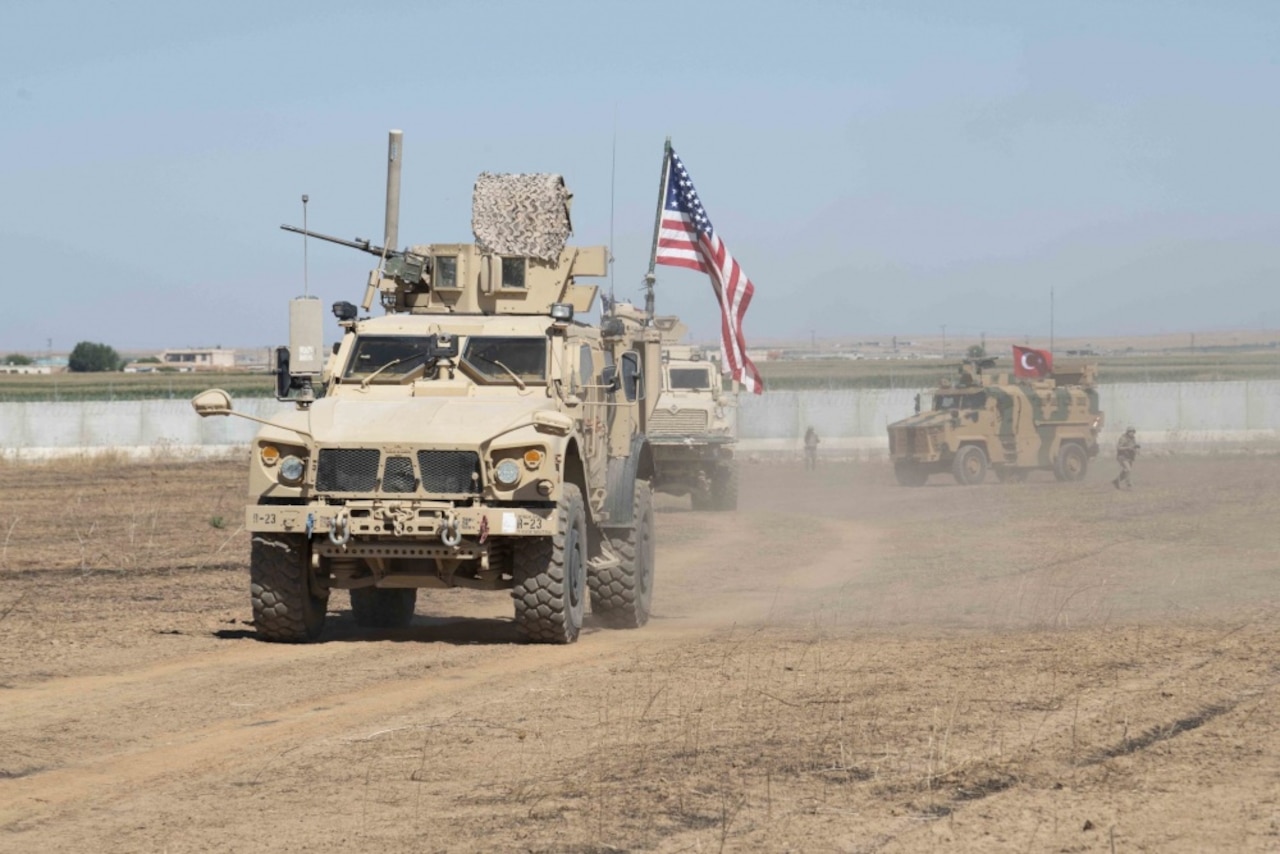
[521, 214]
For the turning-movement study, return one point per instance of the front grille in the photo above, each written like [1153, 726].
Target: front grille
[664, 422]
[920, 441]
[450, 472]
[348, 470]
[399, 475]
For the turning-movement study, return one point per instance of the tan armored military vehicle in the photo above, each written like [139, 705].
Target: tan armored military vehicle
[476, 435]
[694, 425]
[987, 421]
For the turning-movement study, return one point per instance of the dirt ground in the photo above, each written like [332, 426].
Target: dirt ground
[841, 665]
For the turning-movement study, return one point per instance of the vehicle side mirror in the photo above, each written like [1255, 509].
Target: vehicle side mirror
[632, 376]
[284, 381]
[215, 401]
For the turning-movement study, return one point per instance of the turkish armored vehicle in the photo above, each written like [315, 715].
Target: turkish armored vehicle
[476, 435]
[984, 420]
[694, 425]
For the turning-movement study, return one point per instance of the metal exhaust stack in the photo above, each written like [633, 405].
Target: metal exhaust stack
[391, 234]
[391, 229]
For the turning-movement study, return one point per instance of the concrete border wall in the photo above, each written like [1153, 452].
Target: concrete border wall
[1172, 416]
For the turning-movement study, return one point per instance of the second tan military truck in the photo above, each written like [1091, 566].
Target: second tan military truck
[985, 420]
[693, 429]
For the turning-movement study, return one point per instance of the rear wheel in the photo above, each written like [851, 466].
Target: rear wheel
[287, 606]
[377, 608]
[970, 465]
[1072, 463]
[549, 575]
[910, 474]
[621, 595]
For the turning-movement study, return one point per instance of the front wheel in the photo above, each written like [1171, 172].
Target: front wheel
[970, 465]
[549, 575]
[287, 606]
[378, 608]
[621, 595]
[1072, 463]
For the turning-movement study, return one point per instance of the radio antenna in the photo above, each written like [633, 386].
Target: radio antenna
[613, 174]
[306, 287]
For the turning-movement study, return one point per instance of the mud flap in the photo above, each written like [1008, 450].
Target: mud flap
[620, 484]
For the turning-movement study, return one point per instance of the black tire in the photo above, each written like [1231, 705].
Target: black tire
[379, 608]
[910, 474]
[1004, 474]
[286, 606]
[970, 465]
[724, 488]
[549, 575]
[1072, 463]
[621, 596]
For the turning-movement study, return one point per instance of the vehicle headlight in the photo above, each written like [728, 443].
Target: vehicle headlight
[292, 469]
[507, 473]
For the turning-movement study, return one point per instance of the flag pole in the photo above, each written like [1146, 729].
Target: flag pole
[650, 277]
[1051, 321]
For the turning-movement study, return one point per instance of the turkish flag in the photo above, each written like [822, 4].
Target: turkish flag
[1031, 363]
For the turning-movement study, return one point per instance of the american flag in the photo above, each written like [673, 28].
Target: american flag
[686, 239]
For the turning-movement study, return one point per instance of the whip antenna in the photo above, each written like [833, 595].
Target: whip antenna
[306, 291]
[613, 174]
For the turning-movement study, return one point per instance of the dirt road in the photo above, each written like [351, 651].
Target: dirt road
[842, 665]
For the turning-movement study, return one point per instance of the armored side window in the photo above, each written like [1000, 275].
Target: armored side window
[513, 272]
[446, 271]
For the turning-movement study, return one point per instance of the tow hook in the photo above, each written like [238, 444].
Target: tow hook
[340, 531]
[449, 533]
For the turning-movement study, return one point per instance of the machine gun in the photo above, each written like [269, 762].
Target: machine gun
[407, 268]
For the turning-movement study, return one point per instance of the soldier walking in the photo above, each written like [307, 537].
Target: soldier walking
[811, 441]
[1126, 452]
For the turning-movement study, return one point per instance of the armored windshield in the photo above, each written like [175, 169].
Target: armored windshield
[391, 357]
[507, 360]
[689, 379]
[976, 400]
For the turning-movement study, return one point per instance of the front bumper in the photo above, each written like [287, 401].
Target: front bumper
[402, 520]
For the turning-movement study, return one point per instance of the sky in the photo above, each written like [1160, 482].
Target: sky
[877, 168]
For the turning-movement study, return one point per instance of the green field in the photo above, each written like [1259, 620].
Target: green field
[120, 386]
[922, 373]
[778, 375]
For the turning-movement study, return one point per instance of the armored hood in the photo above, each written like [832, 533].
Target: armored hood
[422, 421]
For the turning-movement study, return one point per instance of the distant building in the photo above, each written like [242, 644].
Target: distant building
[212, 359]
[26, 369]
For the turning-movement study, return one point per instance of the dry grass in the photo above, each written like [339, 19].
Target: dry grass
[1026, 667]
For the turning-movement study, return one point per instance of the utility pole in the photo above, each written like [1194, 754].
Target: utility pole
[944, 342]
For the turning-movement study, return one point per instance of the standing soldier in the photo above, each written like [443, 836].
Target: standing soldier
[1126, 452]
[811, 448]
